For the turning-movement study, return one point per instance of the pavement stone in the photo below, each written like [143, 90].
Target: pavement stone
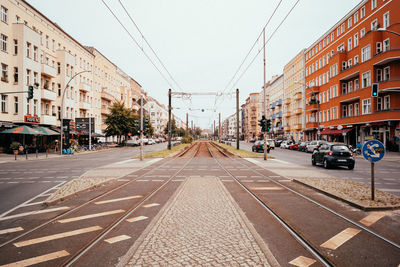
[200, 225]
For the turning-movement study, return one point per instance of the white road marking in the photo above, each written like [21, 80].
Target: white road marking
[117, 199]
[32, 213]
[390, 190]
[126, 161]
[157, 180]
[142, 180]
[136, 219]
[12, 182]
[39, 259]
[57, 236]
[90, 216]
[117, 239]
[372, 218]
[340, 238]
[150, 205]
[267, 188]
[302, 261]
[11, 230]
[34, 203]
[247, 181]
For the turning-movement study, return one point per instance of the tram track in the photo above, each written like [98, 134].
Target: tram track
[289, 225]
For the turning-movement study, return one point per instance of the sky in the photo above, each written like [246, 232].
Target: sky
[201, 43]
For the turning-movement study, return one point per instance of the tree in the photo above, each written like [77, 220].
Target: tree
[119, 121]
[174, 129]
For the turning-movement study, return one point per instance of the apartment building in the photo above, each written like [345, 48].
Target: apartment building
[294, 89]
[252, 129]
[274, 90]
[229, 126]
[340, 69]
[158, 115]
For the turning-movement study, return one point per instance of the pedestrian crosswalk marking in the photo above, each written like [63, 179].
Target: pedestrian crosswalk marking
[247, 181]
[57, 236]
[34, 203]
[302, 261]
[11, 230]
[32, 213]
[142, 180]
[95, 215]
[39, 259]
[117, 239]
[117, 199]
[150, 205]
[340, 238]
[136, 219]
[372, 218]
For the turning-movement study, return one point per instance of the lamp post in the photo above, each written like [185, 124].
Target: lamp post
[62, 107]
[385, 30]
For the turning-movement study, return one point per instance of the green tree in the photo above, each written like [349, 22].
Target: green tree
[119, 121]
[174, 129]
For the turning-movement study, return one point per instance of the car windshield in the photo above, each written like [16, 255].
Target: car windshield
[340, 148]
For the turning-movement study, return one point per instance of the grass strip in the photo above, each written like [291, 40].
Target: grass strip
[165, 152]
[242, 153]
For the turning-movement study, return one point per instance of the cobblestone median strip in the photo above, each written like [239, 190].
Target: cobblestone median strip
[200, 225]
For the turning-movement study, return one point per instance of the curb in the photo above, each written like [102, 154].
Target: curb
[364, 208]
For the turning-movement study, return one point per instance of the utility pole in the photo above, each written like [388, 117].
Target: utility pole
[187, 124]
[169, 119]
[237, 118]
[90, 133]
[141, 127]
[214, 131]
[265, 100]
[219, 127]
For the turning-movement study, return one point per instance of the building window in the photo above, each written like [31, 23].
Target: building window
[3, 46]
[386, 73]
[386, 102]
[355, 60]
[349, 22]
[378, 75]
[355, 17]
[28, 77]
[373, 4]
[350, 87]
[349, 44]
[362, 32]
[15, 47]
[366, 106]
[28, 50]
[356, 40]
[386, 46]
[344, 111]
[386, 20]
[374, 25]
[4, 72]
[4, 103]
[366, 79]
[350, 63]
[356, 84]
[58, 67]
[4, 14]
[379, 103]
[47, 41]
[362, 12]
[350, 110]
[35, 107]
[340, 48]
[365, 53]
[28, 106]
[15, 75]
[344, 88]
[16, 104]
[35, 53]
[378, 47]
[59, 89]
[356, 109]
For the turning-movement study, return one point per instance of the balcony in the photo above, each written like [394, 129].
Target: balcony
[313, 90]
[273, 105]
[107, 96]
[279, 115]
[288, 114]
[313, 107]
[104, 109]
[288, 101]
[298, 111]
[48, 120]
[389, 85]
[273, 116]
[85, 87]
[49, 71]
[279, 102]
[298, 96]
[297, 127]
[84, 105]
[287, 128]
[48, 95]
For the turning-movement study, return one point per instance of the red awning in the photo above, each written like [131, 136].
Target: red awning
[335, 132]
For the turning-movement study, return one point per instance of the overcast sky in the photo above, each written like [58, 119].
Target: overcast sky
[202, 43]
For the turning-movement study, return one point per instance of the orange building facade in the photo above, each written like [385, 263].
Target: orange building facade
[340, 69]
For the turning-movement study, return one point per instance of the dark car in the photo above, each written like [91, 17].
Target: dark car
[259, 146]
[333, 155]
[278, 143]
[303, 146]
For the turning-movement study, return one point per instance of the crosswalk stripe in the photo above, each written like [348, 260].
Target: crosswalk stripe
[56, 236]
[372, 218]
[302, 261]
[340, 238]
[267, 188]
[136, 219]
[117, 199]
[151, 205]
[32, 213]
[90, 216]
[11, 230]
[117, 239]
[39, 259]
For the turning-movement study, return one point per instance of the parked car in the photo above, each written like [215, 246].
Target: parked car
[252, 140]
[259, 146]
[133, 142]
[271, 143]
[278, 142]
[286, 144]
[314, 145]
[145, 141]
[303, 146]
[294, 146]
[333, 154]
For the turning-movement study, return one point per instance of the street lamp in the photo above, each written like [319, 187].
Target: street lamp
[62, 108]
[385, 30]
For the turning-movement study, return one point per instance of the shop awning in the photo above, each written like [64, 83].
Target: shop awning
[335, 132]
[23, 129]
[46, 131]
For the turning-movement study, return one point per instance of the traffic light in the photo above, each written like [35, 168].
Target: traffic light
[136, 124]
[263, 123]
[145, 123]
[30, 92]
[268, 125]
[374, 91]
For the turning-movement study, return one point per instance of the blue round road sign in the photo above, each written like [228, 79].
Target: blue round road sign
[373, 150]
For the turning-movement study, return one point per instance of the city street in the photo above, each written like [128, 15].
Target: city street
[23, 180]
[387, 173]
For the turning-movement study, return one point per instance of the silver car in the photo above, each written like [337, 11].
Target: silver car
[313, 145]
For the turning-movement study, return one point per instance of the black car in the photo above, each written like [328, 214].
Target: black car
[303, 146]
[259, 146]
[333, 155]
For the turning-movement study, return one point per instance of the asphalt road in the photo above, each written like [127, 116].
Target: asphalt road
[23, 180]
[387, 173]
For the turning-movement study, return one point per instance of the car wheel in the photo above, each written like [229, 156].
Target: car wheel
[313, 161]
[351, 167]
[252, 149]
[326, 164]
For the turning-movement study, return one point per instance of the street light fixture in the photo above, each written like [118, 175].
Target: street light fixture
[62, 108]
[385, 30]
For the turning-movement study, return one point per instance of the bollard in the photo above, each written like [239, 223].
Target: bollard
[37, 153]
[26, 153]
[15, 156]
[46, 153]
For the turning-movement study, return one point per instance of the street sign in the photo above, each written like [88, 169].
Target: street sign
[140, 101]
[319, 132]
[82, 125]
[373, 150]
[344, 133]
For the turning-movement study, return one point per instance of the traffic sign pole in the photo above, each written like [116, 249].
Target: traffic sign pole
[372, 180]
[373, 151]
